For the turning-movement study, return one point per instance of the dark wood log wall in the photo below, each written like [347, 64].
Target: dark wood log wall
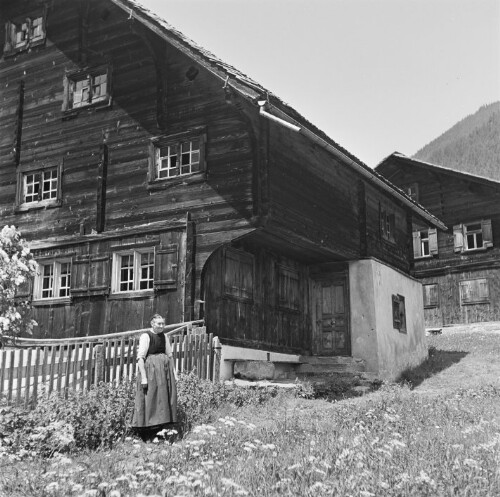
[259, 322]
[118, 138]
[395, 251]
[455, 199]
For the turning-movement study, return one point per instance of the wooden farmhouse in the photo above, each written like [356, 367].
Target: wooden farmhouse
[149, 177]
[459, 268]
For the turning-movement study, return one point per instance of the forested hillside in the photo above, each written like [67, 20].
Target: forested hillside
[471, 145]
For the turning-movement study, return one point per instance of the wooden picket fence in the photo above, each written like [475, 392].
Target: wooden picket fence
[76, 364]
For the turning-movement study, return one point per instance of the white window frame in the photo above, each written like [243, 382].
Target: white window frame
[46, 189]
[177, 157]
[93, 98]
[466, 236]
[136, 278]
[59, 281]
[473, 236]
[22, 34]
[425, 243]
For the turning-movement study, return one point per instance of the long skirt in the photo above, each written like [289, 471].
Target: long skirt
[158, 404]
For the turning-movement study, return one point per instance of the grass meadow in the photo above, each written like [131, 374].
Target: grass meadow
[435, 433]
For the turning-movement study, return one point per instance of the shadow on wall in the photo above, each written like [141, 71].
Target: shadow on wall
[437, 361]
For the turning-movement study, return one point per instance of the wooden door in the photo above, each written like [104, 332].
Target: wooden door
[332, 318]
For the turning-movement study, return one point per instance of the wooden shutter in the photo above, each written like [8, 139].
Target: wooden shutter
[10, 36]
[487, 233]
[66, 91]
[431, 295]
[80, 270]
[98, 276]
[433, 241]
[458, 237]
[166, 265]
[417, 246]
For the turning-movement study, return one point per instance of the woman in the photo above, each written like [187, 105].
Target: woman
[156, 392]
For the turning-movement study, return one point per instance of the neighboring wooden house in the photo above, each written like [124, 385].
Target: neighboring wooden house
[460, 268]
[149, 176]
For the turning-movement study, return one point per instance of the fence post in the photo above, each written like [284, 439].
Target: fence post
[100, 361]
[217, 348]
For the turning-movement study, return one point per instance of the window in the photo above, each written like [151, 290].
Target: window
[238, 274]
[475, 291]
[87, 88]
[24, 34]
[398, 313]
[53, 280]
[425, 243]
[387, 224]
[39, 188]
[412, 191]
[176, 157]
[431, 295]
[288, 288]
[473, 236]
[133, 271]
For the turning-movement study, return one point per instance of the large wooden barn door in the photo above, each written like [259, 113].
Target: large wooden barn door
[331, 306]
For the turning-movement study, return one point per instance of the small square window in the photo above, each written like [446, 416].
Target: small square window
[133, 271]
[53, 280]
[39, 188]
[179, 157]
[399, 313]
[87, 89]
[387, 224]
[23, 34]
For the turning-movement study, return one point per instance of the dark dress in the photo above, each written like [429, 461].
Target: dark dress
[158, 405]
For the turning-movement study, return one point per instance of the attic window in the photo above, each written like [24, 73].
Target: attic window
[23, 34]
[473, 236]
[90, 88]
[425, 243]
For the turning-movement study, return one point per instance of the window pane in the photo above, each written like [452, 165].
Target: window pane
[49, 187]
[126, 277]
[99, 87]
[31, 187]
[147, 270]
[64, 279]
[47, 281]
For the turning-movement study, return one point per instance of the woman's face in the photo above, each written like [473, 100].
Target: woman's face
[158, 324]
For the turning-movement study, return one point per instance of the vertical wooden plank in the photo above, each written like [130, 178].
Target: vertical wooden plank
[44, 366]
[134, 355]
[184, 353]
[53, 365]
[204, 361]
[10, 371]
[68, 369]
[174, 353]
[90, 366]
[82, 366]
[76, 363]
[115, 362]
[198, 355]
[108, 364]
[27, 374]
[60, 365]
[3, 360]
[211, 356]
[36, 373]
[128, 359]
[20, 370]
[122, 359]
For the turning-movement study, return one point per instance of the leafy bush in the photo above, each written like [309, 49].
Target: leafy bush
[17, 266]
[198, 399]
[101, 416]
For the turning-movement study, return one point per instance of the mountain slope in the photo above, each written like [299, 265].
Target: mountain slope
[472, 145]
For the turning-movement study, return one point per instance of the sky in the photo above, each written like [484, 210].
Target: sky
[377, 76]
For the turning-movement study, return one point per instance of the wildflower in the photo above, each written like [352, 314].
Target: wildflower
[52, 487]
